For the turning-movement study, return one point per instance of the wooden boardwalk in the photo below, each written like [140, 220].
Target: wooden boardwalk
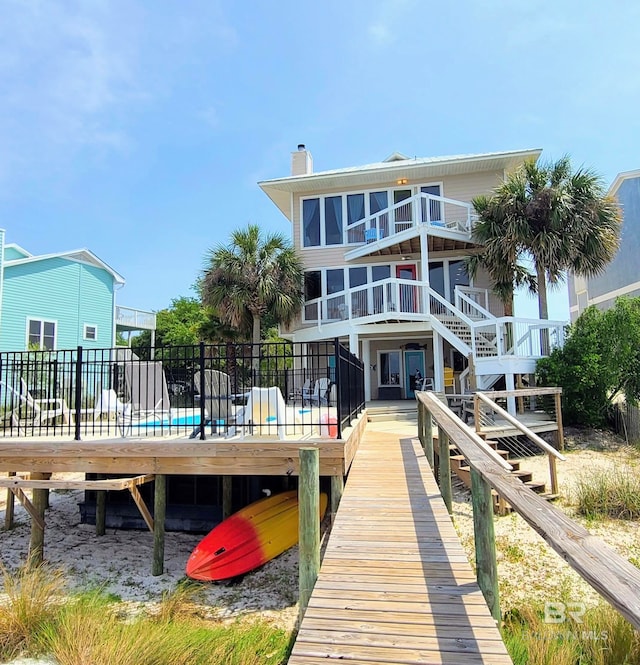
[395, 585]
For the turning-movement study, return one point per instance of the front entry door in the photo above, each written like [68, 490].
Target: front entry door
[408, 294]
[413, 362]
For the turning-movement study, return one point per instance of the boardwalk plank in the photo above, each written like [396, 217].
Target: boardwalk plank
[395, 584]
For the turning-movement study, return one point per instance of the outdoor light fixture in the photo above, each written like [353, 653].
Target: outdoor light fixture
[402, 181]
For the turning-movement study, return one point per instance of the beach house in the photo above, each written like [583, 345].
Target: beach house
[384, 248]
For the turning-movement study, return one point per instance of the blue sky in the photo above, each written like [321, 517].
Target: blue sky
[139, 129]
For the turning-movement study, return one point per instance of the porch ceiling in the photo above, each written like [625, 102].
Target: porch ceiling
[412, 246]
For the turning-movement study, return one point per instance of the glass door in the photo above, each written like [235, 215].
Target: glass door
[403, 215]
[408, 295]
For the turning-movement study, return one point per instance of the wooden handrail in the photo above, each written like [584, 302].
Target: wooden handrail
[523, 392]
[610, 574]
[541, 443]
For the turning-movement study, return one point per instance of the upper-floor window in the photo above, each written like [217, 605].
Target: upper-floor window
[41, 334]
[346, 218]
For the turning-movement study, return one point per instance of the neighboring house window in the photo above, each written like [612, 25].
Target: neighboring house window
[333, 220]
[389, 364]
[90, 332]
[41, 334]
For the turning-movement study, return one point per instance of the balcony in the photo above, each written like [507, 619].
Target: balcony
[134, 319]
[388, 299]
[445, 218]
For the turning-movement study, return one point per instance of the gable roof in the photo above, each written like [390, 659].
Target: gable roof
[78, 255]
[18, 249]
[620, 178]
[396, 166]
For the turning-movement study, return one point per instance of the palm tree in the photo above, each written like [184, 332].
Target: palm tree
[498, 258]
[253, 276]
[561, 219]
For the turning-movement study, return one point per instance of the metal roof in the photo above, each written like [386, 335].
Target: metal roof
[395, 167]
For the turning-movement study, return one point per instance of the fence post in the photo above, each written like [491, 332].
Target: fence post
[159, 511]
[340, 387]
[337, 488]
[9, 510]
[39, 501]
[202, 389]
[444, 462]
[78, 393]
[309, 524]
[486, 565]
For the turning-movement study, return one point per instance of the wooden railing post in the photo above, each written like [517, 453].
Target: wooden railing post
[159, 511]
[553, 474]
[101, 510]
[560, 431]
[428, 437]
[444, 464]
[227, 496]
[309, 525]
[486, 564]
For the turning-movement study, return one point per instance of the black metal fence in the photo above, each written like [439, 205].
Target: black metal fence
[272, 389]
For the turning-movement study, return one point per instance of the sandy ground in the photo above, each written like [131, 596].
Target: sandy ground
[120, 561]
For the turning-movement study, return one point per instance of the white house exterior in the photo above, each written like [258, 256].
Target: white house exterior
[383, 247]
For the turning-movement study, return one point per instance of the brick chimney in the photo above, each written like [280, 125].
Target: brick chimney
[301, 161]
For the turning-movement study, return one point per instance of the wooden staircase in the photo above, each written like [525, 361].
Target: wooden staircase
[461, 469]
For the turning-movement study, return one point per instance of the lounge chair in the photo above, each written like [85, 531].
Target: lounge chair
[30, 412]
[148, 405]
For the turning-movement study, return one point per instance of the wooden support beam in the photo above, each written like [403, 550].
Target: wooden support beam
[486, 564]
[9, 509]
[159, 512]
[101, 512]
[227, 496]
[309, 525]
[337, 488]
[24, 500]
[444, 464]
[36, 545]
[428, 438]
[142, 506]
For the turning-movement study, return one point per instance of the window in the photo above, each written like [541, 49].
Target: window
[333, 220]
[311, 222]
[436, 276]
[312, 285]
[357, 277]
[380, 272]
[90, 332]
[389, 363]
[432, 211]
[355, 208]
[335, 281]
[457, 276]
[377, 202]
[41, 335]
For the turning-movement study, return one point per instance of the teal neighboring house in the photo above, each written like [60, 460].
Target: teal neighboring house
[61, 301]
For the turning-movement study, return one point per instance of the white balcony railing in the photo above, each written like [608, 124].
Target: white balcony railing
[135, 319]
[470, 327]
[437, 212]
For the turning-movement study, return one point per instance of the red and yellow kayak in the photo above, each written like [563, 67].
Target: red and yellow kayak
[249, 538]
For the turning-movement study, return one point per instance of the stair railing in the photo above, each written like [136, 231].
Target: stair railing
[550, 451]
[611, 575]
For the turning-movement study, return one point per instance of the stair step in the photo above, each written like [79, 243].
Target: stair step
[536, 485]
[525, 476]
[549, 496]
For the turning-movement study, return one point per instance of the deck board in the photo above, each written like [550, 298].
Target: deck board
[395, 585]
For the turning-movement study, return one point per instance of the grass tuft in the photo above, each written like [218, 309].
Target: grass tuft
[611, 492]
[33, 596]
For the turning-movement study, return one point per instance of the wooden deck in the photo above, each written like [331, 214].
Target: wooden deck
[395, 585]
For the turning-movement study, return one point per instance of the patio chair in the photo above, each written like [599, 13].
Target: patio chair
[320, 394]
[217, 399]
[265, 413]
[148, 405]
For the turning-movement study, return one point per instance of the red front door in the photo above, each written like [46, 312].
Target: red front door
[408, 294]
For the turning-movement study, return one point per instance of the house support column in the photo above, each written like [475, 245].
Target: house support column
[511, 401]
[424, 267]
[366, 360]
[438, 362]
[353, 344]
